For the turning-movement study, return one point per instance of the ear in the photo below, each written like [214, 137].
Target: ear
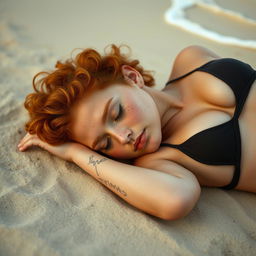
[132, 76]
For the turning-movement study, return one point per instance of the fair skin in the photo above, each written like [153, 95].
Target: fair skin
[133, 109]
[163, 181]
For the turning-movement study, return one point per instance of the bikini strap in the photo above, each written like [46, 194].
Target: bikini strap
[190, 72]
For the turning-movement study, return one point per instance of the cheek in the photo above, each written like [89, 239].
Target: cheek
[120, 152]
[134, 116]
[134, 111]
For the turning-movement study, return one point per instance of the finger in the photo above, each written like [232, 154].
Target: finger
[25, 144]
[23, 141]
[25, 138]
[31, 140]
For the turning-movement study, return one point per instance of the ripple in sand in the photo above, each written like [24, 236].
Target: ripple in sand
[23, 242]
[10, 180]
[40, 183]
[71, 193]
[31, 181]
[10, 108]
[19, 210]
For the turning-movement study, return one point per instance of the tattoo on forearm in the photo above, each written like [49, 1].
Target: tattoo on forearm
[115, 187]
[96, 162]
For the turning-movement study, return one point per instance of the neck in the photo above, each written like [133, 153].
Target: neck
[168, 104]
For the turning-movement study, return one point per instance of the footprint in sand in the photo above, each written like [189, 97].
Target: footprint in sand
[29, 181]
[10, 108]
[21, 242]
[41, 183]
[19, 210]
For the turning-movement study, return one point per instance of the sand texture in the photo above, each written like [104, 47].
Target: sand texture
[50, 207]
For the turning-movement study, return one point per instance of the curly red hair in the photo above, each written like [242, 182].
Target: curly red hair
[57, 91]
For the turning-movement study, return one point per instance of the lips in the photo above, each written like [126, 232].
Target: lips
[140, 141]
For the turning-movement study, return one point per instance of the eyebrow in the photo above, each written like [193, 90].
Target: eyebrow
[104, 117]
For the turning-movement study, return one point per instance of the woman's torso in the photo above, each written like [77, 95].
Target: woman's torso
[208, 102]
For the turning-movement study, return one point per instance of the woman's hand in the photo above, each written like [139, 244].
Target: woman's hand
[64, 151]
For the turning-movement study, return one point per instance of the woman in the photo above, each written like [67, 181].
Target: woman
[199, 130]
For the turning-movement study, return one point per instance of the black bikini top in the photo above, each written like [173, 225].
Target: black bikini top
[221, 144]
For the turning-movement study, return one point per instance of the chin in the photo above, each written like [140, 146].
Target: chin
[154, 145]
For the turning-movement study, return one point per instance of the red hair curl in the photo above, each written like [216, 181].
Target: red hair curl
[56, 91]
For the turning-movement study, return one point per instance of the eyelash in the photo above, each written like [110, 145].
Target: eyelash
[118, 117]
[109, 144]
[120, 113]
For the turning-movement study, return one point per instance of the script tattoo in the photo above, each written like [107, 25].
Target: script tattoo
[115, 187]
[94, 162]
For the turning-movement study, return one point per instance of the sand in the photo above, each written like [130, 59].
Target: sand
[51, 207]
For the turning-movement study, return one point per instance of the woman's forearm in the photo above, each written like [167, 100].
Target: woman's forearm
[156, 192]
[146, 189]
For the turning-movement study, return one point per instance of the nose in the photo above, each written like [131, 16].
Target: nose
[121, 134]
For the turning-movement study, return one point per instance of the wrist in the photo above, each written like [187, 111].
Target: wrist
[76, 151]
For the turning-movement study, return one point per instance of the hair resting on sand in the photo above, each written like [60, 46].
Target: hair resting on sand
[56, 91]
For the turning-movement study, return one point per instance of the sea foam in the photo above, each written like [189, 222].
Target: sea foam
[176, 15]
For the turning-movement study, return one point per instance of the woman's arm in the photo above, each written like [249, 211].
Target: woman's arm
[157, 193]
[152, 191]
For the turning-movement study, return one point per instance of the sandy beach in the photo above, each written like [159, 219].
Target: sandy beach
[50, 207]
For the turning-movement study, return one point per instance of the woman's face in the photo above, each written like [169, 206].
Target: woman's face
[120, 120]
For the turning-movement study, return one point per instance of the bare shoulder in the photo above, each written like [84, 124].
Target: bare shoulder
[190, 58]
[160, 161]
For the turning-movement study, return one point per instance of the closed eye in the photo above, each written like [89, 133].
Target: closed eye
[108, 144]
[120, 113]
